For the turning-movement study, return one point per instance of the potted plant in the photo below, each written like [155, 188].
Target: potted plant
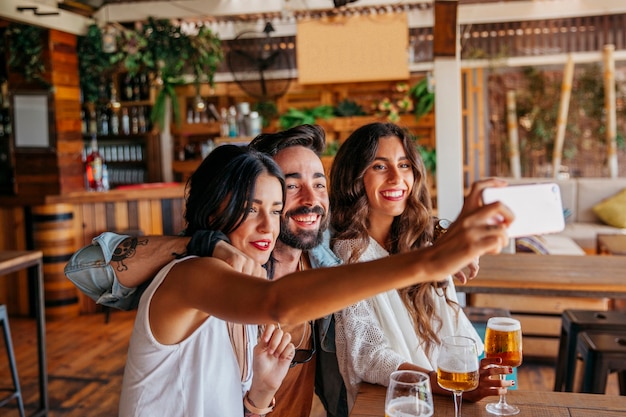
[25, 52]
[159, 48]
[296, 117]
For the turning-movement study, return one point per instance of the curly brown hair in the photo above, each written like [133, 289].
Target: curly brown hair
[411, 230]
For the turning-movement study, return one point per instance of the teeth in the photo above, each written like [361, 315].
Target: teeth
[393, 194]
[264, 244]
[307, 219]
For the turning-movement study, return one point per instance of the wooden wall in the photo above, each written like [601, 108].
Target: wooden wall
[57, 169]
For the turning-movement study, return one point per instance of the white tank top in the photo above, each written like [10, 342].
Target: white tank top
[195, 378]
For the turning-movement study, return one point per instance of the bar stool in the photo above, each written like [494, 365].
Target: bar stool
[602, 353]
[574, 322]
[16, 392]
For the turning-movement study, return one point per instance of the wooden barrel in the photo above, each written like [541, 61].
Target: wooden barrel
[54, 235]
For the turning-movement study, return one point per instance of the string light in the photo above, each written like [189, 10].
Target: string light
[289, 15]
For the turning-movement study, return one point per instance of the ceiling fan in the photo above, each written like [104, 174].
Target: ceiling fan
[254, 60]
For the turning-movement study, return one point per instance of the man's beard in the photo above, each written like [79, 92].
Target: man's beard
[303, 239]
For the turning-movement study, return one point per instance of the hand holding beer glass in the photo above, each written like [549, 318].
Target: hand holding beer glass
[457, 367]
[503, 339]
[409, 395]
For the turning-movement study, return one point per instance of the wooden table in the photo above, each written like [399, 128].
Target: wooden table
[552, 275]
[371, 402]
[611, 245]
[13, 261]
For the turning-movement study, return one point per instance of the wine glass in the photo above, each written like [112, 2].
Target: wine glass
[503, 339]
[457, 367]
[409, 395]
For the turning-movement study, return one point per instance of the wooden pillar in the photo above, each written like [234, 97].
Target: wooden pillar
[69, 140]
[609, 108]
[561, 121]
[511, 127]
[448, 114]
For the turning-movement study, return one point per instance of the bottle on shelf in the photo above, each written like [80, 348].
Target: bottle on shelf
[84, 126]
[243, 114]
[189, 116]
[112, 92]
[93, 121]
[136, 89]
[141, 117]
[102, 91]
[93, 167]
[134, 121]
[103, 123]
[125, 122]
[144, 87]
[114, 122]
[204, 116]
[213, 111]
[233, 127]
[106, 185]
[128, 87]
[224, 122]
[255, 123]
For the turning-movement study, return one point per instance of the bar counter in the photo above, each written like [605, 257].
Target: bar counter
[64, 223]
[370, 401]
[148, 191]
[148, 209]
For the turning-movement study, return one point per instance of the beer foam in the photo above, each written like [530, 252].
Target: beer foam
[503, 324]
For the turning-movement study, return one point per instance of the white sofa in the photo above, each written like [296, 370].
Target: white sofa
[579, 195]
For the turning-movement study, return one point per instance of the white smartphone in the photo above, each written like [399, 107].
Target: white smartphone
[537, 207]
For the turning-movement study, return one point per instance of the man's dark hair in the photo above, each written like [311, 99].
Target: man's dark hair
[309, 136]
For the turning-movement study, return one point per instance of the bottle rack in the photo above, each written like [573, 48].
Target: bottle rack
[121, 121]
[125, 160]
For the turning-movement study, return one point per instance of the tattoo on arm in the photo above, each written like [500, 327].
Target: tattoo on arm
[125, 250]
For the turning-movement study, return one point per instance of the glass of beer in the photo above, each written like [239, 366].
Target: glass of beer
[457, 367]
[409, 395]
[503, 339]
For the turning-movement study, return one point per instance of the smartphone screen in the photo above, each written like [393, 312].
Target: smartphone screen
[537, 207]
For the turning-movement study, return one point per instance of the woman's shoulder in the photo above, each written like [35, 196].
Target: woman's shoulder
[344, 249]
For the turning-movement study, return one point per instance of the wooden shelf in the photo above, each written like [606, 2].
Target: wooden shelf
[192, 129]
[185, 168]
[339, 128]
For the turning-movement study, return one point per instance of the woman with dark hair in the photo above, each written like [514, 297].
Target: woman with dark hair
[182, 359]
[381, 205]
[189, 353]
